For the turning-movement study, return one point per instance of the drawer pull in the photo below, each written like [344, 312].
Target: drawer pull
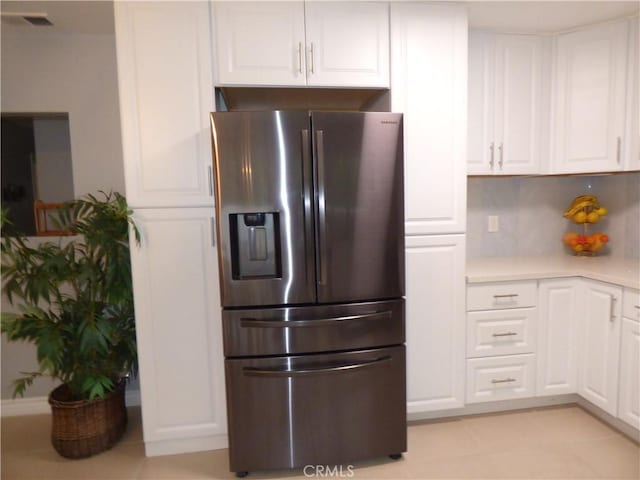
[506, 334]
[504, 380]
[507, 295]
[637, 306]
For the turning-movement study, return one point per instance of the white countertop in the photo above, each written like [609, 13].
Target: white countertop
[620, 271]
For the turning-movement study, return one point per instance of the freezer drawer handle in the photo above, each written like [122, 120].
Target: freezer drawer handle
[319, 322]
[258, 372]
[506, 295]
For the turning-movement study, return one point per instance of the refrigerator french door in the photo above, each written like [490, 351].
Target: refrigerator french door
[311, 243]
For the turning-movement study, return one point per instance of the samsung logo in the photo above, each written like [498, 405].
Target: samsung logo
[391, 122]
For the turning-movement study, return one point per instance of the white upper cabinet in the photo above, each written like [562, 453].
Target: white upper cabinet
[166, 94]
[588, 126]
[429, 78]
[505, 103]
[323, 44]
[632, 146]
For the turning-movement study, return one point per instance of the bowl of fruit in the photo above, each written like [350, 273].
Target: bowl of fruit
[585, 210]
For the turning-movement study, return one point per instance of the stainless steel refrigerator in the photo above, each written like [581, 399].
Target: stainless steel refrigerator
[310, 221]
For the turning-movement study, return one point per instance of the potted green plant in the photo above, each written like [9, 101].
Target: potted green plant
[74, 301]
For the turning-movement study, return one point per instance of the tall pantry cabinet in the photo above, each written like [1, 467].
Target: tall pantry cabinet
[429, 86]
[166, 94]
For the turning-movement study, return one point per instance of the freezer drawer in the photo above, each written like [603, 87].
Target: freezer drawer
[321, 328]
[329, 409]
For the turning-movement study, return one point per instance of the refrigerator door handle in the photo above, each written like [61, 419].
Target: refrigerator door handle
[320, 322]
[259, 372]
[322, 213]
[307, 173]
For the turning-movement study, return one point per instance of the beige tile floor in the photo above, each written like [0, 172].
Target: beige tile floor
[552, 443]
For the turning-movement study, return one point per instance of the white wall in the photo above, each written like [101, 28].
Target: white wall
[75, 73]
[530, 213]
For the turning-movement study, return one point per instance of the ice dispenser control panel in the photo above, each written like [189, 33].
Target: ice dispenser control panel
[255, 240]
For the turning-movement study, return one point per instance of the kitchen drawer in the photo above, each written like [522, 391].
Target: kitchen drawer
[500, 378]
[631, 304]
[501, 332]
[498, 295]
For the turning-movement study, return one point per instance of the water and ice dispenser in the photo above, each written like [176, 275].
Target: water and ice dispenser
[255, 240]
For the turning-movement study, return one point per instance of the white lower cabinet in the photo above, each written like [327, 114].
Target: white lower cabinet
[178, 325]
[557, 331]
[629, 388]
[435, 272]
[599, 323]
[500, 378]
[501, 340]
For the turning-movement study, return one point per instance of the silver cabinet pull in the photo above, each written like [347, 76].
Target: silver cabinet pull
[491, 149]
[618, 149]
[504, 380]
[612, 317]
[312, 59]
[210, 180]
[506, 334]
[507, 295]
[637, 306]
[501, 148]
[300, 57]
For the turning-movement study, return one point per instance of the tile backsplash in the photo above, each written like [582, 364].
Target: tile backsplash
[530, 213]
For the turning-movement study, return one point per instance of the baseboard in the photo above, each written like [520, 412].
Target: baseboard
[185, 445]
[615, 422]
[495, 407]
[12, 407]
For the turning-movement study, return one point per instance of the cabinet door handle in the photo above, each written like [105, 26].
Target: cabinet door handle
[300, 57]
[501, 148]
[312, 59]
[618, 149]
[506, 334]
[210, 180]
[504, 380]
[506, 295]
[491, 149]
[637, 306]
[612, 313]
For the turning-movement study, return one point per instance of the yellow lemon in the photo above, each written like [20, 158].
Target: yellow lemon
[602, 211]
[580, 217]
[593, 217]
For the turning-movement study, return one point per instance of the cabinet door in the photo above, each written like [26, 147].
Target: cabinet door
[632, 145]
[259, 43]
[480, 135]
[429, 78]
[590, 76]
[517, 103]
[557, 331]
[435, 322]
[178, 323]
[165, 82]
[599, 333]
[347, 44]
[629, 392]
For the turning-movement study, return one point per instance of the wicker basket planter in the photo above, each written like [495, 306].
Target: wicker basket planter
[83, 428]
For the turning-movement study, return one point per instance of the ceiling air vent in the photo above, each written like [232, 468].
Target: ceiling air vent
[38, 21]
[34, 19]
